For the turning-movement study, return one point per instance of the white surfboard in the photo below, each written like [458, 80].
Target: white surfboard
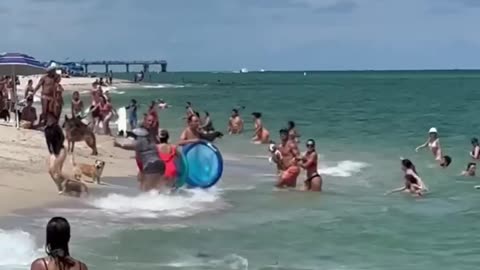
[122, 120]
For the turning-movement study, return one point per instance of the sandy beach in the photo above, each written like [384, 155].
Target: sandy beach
[72, 83]
[25, 182]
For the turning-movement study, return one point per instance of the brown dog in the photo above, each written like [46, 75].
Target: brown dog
[94, 171]
[71, 187]
[77, 131]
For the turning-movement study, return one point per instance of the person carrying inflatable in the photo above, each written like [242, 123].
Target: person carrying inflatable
[151, 168]
[168, 153]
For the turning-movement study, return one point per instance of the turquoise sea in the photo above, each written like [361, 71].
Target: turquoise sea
[362, 122]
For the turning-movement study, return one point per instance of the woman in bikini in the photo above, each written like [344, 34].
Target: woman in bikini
[475, 153]
[261, 135]
[310, 163]
[433, 142]
[56, 246]
[168, 153]
[106, 114]
[413, 182]
[96, 93]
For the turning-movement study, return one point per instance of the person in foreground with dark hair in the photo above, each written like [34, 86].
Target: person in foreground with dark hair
[56, 247]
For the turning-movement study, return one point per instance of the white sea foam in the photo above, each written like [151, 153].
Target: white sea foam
[232, 261]
[165, 85]
[17, 249]
[345, 168]
[153, 204]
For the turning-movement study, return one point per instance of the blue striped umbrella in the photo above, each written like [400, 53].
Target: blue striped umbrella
[20, 64]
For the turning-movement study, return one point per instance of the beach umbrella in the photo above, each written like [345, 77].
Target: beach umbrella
[15, 64]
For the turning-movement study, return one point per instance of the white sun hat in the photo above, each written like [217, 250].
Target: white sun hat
[432, 130]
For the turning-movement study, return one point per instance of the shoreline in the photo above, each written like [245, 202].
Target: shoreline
[72, 84]
[25, 181]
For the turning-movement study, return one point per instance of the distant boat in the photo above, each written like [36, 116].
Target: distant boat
[243, 70]
[262, 70]
[304, 74]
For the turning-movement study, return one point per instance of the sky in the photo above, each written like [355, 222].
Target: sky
[220, 35]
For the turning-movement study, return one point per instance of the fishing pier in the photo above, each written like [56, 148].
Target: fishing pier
[146, 64]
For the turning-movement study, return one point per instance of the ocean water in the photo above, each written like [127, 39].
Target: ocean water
[362, 122]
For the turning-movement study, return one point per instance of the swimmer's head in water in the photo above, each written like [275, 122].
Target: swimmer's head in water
[446, 160]
[474, 141]
[58, 236]
[471, 166]
[310, 143]
[257, 115]
[283, 134]
[291, 124]
[164, 136]
[407, 164]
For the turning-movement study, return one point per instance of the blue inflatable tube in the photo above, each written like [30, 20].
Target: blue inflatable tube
[205, 164]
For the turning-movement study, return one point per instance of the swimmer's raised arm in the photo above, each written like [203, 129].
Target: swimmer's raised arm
[421, 146]
[395, 190]
[126, 145]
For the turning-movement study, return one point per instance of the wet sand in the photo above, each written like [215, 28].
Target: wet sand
[25, 182]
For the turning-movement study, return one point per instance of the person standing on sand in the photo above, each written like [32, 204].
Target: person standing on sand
[106, 112]
[110, 77]
[235, 123]
[56, 246]
[76, 104]
[55, 144]
[49, 84]
[29, 89]
[57, 105]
